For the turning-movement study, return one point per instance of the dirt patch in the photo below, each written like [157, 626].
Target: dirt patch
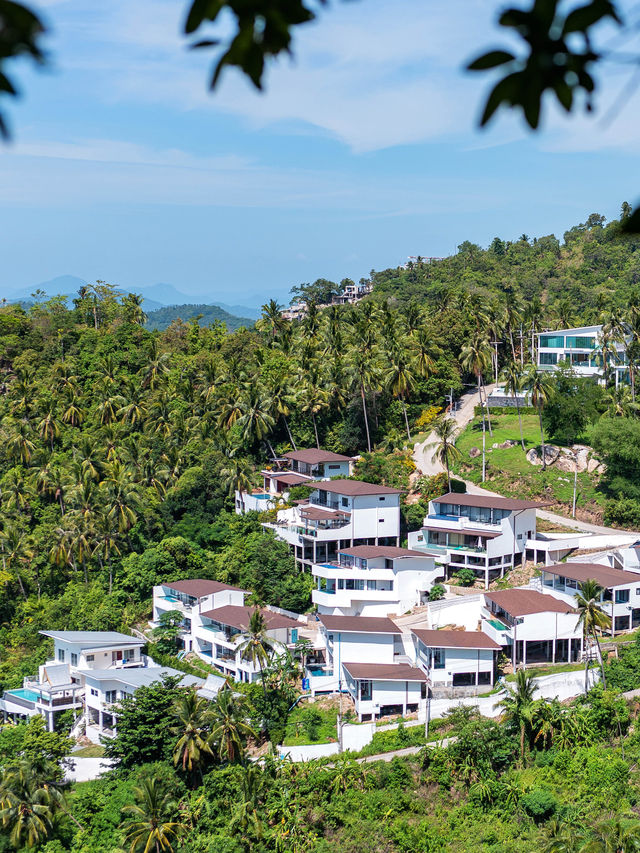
[520, 576]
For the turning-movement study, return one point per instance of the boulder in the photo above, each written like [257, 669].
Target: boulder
[533, 457]
[565, 462]
[551, 454]
[508, 443]
[474, 452]
[595, 466]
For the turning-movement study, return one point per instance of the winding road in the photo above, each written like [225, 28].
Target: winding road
[423, 453]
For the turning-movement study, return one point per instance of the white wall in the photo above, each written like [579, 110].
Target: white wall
[457, 661]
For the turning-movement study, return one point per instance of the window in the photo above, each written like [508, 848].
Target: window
[552, 341]
[345, 501]
[381, 498]
[548, 358]
[110, 696]
[638, 590]
[74, 659]
[423, 690]
[90, 658]
[61, 655]
[622, 596]
[94, 692]
[388, 564]
[438, 658]
[580, 342]
[334, 467]
[381, 521]
[366, 691]
[484, 678]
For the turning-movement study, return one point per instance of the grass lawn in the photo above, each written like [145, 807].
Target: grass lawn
[93, 751]
[508, 471]
[299, 731]
[553, 669]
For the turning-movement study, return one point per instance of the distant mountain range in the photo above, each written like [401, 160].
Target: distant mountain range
[164, 317]
[156, 297]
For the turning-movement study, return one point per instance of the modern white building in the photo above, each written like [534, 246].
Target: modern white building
[581, 349]
[374, 580]
[89, 673]
[192, 597]
[339, 514]
[456, 658]
[293, 469]
[367, 657]
[532, 627]
[479, 532]
[106, 688]
[621, 590]
[217, 636]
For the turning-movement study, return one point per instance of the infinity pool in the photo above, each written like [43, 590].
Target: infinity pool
[23, 693]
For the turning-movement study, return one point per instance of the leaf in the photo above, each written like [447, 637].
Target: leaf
[502, 93]
[205, 43]
[200, 11]
[490, 60]
[580, 19]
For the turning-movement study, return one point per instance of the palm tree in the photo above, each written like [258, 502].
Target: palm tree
[157, 368]
[49, 428]
[255, 645]
[475, 358]
[518, 702]
[617, 835]
[360, 373]
[255, 421]
[237, 475]
[313, 399]
[540, 386]
[151, 824]
[16, 548]
[512, 378]
[592, 618]
[271, 319]
[245, 818]
[229, 726]
[122, 496]
[28, 806]
[400, 380]
[445, 450]
[192, 728]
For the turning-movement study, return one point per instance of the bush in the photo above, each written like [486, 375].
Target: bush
[436, 592]
[465, 577]
[311, 721]
[539, 804]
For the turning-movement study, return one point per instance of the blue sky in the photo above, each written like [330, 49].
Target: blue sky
[363, 150]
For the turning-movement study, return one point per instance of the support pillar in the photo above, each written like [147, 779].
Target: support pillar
[553, 651]
[524, 654]
[100, 721]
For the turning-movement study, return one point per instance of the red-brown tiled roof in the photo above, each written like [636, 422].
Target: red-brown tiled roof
[352, 488]
[604, 575]
[523, 602]
[199, 587]
[455, 639]
[359, 624]
[489, 501]
[291, 478]
[385, 671]
[370, 552]
[238, 617]
[314, 456]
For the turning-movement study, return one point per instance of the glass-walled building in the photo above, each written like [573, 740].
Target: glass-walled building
[582, 350]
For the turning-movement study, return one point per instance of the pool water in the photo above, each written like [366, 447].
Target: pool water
[23, 693]
[497, 624]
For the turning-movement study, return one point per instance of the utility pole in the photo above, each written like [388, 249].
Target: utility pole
[575, 483]
[428, 716]
[521, 346]
[484, 449]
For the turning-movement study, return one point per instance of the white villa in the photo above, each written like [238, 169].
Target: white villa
[456, 658]
[479, 532]
[374, 580]
[293, 469]
[366, 657]
[621, 596]
[89, 673]
[216, 636]
[580, 348]
[339, 514]
[532, 627]
[191, 597]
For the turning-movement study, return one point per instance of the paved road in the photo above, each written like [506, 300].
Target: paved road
[422, 453]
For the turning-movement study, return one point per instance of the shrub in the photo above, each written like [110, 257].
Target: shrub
[539, 804]
[436, 592]
[311, 721]
[465, 577]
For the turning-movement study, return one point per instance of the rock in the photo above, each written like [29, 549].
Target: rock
[508, 443]
[495, 445]
[565, 462]
[551, 454]
[474, 452]
[595, 466]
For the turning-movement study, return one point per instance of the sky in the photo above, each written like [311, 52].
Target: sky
[362, 151]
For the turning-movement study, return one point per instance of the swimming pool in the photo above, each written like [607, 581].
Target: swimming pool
[497, 624]
[23, 693]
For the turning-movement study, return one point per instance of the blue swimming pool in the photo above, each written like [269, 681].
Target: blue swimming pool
[23, 693]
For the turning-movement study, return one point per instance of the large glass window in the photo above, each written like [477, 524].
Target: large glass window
[580, 342]
[548, 358]
[366, 690]
[438, 658]
[552, 341]
[622, 596]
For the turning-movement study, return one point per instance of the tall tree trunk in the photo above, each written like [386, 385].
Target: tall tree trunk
[315, 429]
[600, 660]
[586, 666]
[544, 461]
[633, 382]
[286, 424]
[366, 419]
[446, 463]
[486, 405]
[406, 419]
[515, 397]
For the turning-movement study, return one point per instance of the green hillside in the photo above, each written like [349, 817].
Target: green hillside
[162, 318]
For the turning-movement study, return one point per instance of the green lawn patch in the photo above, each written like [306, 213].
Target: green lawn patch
[552, 669]
[508, 470]
[93, 751]
[312, 723]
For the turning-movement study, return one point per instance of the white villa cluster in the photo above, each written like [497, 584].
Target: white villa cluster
[89, 674]
[581, 348]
